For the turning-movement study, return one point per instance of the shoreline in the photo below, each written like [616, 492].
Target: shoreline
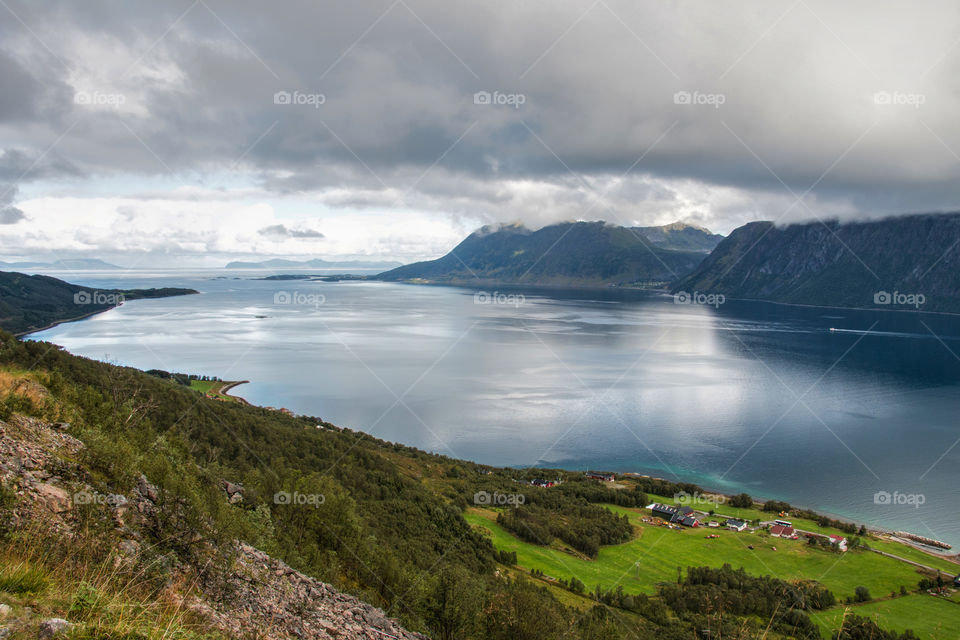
[24, 334]
[225, 390]
[467, 284]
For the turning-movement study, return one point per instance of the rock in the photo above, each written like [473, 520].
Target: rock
[57, 499]
[147, 490]
[5, 610]
[53, 627]
[234, 491]
[4, 633]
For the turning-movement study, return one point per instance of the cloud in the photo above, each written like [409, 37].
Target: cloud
[11, 215]
[281, 231]
[636, 113]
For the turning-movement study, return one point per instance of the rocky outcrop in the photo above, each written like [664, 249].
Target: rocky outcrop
[272, 600]
[260, 597]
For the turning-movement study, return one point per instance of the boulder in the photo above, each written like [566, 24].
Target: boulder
[53, 627]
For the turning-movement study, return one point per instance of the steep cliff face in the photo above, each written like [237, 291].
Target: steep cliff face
[859, 264]
[573, 253]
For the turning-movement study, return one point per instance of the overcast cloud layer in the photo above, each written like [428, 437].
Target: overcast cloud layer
[207, 129]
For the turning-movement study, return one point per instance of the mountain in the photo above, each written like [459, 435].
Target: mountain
[79, 264]
[907, 262]
[570, 253]
[317, 263]
[29, 303]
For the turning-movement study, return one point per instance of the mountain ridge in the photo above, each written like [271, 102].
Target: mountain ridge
[567, 253]
[907, 262]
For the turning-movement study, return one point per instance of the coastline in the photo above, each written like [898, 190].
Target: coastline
[472, 284]
[23, 334]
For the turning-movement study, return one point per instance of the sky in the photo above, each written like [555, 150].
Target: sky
[193, 132]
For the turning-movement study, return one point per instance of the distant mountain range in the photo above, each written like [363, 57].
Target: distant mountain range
[317, 263]
[908, 262]
[79, 264]
[30, 303]
[571, 253]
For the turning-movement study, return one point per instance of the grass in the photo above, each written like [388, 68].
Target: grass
[214, 388]
[655, 554]
[104, 599]
[22, 578]
[930, 617]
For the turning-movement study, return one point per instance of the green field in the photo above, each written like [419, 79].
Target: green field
[656, 552]
[931, 618]
[214, 388]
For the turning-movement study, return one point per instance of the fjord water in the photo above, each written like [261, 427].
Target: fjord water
[825, 408]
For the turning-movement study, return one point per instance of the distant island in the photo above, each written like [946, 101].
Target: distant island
[78, 264]
[32, 303]
[568, 254]
[316, 263]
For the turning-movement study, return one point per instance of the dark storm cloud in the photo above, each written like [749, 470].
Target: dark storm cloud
[460, 109]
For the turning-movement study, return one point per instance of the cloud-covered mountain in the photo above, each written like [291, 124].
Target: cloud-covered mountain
[901, 263]
[571, 253]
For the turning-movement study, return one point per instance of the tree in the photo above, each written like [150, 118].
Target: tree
[741, 501]
[861, 594]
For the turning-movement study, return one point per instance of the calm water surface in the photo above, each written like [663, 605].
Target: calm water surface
[755, 397]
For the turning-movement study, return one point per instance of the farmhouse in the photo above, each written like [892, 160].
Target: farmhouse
[781, 531]
[736, 525]
[676, 515]
[540, 482]
[606, 477]
[839, 541]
